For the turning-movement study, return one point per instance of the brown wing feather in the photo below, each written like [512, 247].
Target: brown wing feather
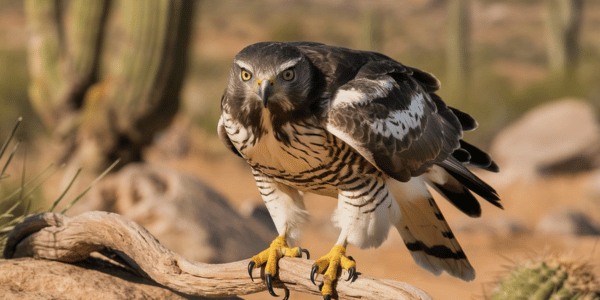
[390, 118]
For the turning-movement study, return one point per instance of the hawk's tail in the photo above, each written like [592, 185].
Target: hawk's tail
[455, 182]
[425, 231]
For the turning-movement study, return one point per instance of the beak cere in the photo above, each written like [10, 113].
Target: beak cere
[265, 91]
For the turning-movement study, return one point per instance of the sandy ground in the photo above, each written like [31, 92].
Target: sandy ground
[491, 252]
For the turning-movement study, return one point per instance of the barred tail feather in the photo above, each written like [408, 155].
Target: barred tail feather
[425, 231]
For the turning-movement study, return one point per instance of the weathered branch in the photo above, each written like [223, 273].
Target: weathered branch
[69, 239]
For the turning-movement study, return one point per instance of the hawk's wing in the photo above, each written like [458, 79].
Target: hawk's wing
[390, 114]
[387, 114]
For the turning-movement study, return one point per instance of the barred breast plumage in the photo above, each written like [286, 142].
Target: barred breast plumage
[313, 160]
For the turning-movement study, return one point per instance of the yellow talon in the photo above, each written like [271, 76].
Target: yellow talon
[329, 264]
[270, 256]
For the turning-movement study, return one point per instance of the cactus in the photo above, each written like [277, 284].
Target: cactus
[563, 20]
[63, 55]
[372, 29]
[458, 53]
[106, 75]
[549, 278]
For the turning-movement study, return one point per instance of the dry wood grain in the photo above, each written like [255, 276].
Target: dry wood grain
[70, 239]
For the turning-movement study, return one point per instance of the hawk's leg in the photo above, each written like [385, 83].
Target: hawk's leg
[286, 208]
[364, 214]
[330, 265]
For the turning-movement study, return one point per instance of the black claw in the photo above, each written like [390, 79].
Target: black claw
[305, 251]
[351, 273]
[270, 285]
[313, 271]
[251, 265]
[287, 294]
[327, 297]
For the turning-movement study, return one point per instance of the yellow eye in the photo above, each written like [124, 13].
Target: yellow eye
[288, 74]
[246, 75]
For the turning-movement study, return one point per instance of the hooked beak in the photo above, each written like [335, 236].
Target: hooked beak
[265, 91]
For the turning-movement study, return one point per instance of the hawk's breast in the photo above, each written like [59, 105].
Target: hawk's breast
[309, 158]
[305, 147]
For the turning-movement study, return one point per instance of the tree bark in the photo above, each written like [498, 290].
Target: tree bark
[30, 278]
[72, 239]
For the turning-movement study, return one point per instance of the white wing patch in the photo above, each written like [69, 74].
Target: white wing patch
[349, 96]
[373, 89]
[399, 122]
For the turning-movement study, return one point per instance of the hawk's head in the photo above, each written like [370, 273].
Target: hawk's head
[270, 75]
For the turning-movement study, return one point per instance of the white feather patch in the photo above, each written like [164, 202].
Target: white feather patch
[399, 122]
[243, 64]
[376, 89]
[288, 64]
[285, 205]
[366, 226]
[349, 96]
[437, 175]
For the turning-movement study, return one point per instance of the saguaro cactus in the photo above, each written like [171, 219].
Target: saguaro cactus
[372, 28]
[564, 23]
[63, 51]
[107, 75]
[549, 278]
[458, 58]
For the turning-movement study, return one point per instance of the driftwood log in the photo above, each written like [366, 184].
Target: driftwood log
[72, 239]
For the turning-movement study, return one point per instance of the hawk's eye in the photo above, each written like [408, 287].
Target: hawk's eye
[246, 75]
[288, 74]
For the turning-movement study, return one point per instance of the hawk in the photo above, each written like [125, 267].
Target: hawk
[360, 127]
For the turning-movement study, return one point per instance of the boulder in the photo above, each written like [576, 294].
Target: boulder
[186, 215]
[560, 133]
[567, 221]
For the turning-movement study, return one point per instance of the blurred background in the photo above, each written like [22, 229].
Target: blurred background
[508, 54]
[101, 80]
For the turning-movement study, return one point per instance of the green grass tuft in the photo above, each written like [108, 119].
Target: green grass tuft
[15, 204]
[16, 199]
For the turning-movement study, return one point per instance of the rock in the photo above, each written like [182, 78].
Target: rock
[174, 142]
[567, 221]
[587, 160]
[552, 133]
[185, 214]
